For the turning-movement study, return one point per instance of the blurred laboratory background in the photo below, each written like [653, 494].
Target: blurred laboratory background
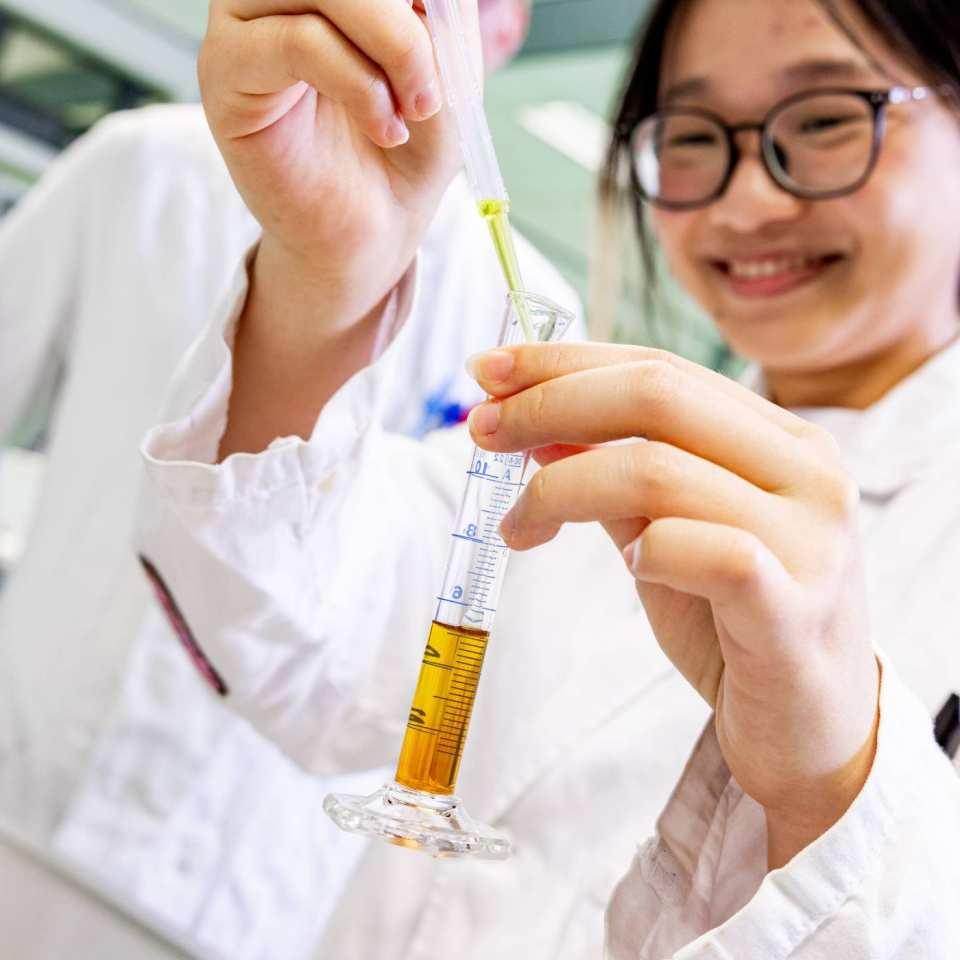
[64, 64]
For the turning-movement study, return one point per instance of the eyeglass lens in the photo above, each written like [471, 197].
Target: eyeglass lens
[819, 144]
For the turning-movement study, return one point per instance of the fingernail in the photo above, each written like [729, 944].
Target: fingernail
[494, 365]
[397, 133]
[485, 419]
[428, 102]
[631, 554]
[507, 525]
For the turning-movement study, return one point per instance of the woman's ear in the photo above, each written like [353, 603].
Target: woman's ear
[503, 28]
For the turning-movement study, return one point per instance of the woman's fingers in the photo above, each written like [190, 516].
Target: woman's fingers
[621, 532]
[651, 399]
[558, 451]
[374, 59]
[391, 35]
[729, 566]
[676, 560]
[638, 480]
[272, 54]
[506, 371]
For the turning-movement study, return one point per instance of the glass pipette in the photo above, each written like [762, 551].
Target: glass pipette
[465, 98]
[419, 809]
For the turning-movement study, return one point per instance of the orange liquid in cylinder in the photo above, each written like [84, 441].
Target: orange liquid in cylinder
[442, 705]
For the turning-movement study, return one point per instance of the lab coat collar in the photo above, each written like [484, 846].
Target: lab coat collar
[894, 442]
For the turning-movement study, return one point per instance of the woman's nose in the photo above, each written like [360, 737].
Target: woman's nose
[752, 199]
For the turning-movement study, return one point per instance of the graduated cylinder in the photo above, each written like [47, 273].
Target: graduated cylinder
[453, 657]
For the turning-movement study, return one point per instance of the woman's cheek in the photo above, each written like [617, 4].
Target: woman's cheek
[673, 232]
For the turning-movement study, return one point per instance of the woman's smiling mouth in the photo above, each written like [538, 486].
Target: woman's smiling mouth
[773, 274]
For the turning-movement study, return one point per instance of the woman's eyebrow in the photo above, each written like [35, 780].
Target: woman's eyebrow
[810, 71]
[827, 69]
[691, 87]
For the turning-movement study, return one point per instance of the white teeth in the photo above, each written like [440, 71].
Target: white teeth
[755, 269]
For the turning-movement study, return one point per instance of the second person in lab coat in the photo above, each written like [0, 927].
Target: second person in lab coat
[131, 800]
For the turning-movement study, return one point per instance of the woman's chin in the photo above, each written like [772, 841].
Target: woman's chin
[790, 344]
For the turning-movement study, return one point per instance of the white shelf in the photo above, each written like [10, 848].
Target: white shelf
[126, 37]
[23, 153]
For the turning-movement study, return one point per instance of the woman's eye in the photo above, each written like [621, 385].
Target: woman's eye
[826, 124]
[692, 140]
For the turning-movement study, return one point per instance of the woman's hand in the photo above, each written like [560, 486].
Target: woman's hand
[328, 115]
[740, 527]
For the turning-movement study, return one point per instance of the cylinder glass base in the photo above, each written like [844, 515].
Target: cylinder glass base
[427, 822]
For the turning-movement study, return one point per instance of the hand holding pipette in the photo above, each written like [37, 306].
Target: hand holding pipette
[344, 166]
[305, 109]
[332, 127]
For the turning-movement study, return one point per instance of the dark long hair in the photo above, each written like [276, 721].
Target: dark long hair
[925, 34]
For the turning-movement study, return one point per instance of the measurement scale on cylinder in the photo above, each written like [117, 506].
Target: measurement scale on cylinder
[443, 701]
[419, 808]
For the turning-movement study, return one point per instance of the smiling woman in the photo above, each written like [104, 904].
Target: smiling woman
[741, 121]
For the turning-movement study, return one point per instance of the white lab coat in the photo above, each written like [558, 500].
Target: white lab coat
[119, 769]
[307, 575]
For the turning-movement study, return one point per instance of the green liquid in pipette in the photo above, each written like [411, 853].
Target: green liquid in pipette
[496, 213]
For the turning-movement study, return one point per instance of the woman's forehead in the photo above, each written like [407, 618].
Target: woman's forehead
[744, 52]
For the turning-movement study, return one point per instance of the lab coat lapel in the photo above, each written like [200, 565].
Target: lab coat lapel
[904, 454]
[896, 441]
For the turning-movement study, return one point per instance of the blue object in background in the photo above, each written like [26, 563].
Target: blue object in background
[440, 411]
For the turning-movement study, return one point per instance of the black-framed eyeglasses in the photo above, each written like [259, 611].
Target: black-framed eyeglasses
[815, 145]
